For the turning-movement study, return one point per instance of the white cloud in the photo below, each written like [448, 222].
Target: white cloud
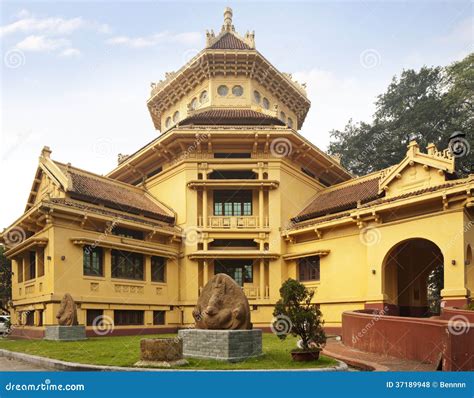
[157, 38]
[42, 44]
[48, 34]
[70, 52]
[50, 26]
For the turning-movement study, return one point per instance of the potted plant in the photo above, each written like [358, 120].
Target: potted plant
[296, 315]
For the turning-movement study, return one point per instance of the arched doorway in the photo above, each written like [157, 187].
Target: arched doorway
[413, 277]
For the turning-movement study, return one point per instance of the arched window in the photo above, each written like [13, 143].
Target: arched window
[203, 98]
[194, 104]
[176, 117]
[256, 97]
[266, 103]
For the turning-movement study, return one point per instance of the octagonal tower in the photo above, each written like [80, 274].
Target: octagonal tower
[228, 80]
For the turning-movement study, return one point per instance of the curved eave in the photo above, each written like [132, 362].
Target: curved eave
[206, 65]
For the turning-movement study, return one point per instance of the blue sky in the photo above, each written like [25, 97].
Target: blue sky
[76, 75]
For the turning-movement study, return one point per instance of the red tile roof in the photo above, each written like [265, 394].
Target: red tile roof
[344, 198]
[92, 188]
[230, 42]
[365, 191]
[91, 208]
[241, 117]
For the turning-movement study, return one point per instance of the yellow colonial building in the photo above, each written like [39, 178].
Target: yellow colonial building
[230, 186]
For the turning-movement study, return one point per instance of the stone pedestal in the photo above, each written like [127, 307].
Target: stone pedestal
[161, 353]
[223, 345]
[65, 333]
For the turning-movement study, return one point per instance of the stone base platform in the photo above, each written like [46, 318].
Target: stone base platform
[222, 345]
[65, 333]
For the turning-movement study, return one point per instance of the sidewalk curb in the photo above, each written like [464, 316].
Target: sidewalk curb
[79, 367]
[357, 363]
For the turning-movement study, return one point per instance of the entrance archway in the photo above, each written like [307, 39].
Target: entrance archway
[413, 277]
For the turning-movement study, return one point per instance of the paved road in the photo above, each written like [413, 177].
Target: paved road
[20, 366]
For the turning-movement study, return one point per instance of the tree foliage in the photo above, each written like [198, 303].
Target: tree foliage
[428, 105]
[5, 280]
[304, 317]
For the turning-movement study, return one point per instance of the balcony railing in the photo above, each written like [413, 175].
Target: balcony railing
[233, 222]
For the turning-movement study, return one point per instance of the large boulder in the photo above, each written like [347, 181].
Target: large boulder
[222, 305]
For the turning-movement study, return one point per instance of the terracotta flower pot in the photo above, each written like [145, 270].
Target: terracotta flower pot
[308, 355]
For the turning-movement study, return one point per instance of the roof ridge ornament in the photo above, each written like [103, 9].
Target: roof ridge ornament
[228, 27]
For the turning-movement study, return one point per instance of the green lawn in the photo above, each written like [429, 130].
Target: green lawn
[125, 351]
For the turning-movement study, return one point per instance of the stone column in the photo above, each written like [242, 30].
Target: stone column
[262, 278]
[108, 263]
[205, 277]
[204, 207]
[147, 269]
[260, 208]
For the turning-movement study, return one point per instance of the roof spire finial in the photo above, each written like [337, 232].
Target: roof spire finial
[228, 20]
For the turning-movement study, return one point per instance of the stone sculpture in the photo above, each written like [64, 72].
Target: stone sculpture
[67, 314]
[222, 305]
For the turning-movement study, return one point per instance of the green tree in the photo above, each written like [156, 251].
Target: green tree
[302, 318]
[5, 280]
[428, 105]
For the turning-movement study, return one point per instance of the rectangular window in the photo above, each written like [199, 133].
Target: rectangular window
[94, 317]
[127, 265]
[30, 318]
[233, 203]
[32, 265]
[232, 155]
[218, 209]
[40, 254]
[238, 270]
[127, 233]
[308, 269]
[158, 268]
[92, 261]
[158, 317]
[128, 317]
[19, 262]
[232, 175]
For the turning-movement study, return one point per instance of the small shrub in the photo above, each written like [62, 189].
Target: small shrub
[304, 317]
